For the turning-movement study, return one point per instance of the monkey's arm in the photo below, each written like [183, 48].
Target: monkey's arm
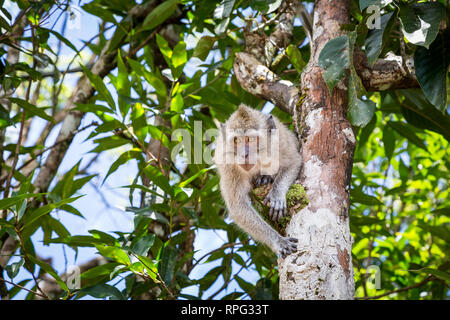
[248, 219]
[277, 196]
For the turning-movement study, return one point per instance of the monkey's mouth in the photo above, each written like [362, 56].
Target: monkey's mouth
[247, 166]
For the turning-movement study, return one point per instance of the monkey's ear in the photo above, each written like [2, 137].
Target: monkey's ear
[243, 111]
[271, 123]
[222, 129]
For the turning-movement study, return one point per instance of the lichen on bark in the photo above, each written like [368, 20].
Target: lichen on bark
[296, 200]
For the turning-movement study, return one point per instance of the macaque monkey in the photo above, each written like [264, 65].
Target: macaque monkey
[254, 148]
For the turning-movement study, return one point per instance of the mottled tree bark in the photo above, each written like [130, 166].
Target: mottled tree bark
[322, 267]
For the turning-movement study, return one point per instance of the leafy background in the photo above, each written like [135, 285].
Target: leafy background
[158, 228]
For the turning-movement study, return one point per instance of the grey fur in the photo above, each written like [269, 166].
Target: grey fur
[236, 182]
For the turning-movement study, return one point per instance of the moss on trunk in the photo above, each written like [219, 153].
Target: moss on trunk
[296, 200]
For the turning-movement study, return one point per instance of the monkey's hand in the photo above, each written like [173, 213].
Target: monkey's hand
[263, 180]
[278, 207]
[287, 246]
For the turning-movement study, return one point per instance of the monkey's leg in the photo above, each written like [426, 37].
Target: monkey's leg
[277, 195]
[245, 216]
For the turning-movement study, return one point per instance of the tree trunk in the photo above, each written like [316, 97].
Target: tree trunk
[322, 266]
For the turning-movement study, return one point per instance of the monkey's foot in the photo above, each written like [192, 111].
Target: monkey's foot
[278, 206]
[263, 180]
[288, 246]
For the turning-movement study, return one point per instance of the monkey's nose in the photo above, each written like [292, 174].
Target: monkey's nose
[247, 166]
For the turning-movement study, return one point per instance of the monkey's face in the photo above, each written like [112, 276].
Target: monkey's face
[246, 150]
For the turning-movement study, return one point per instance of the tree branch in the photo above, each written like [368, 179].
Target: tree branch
[386, 74]
[262, 82]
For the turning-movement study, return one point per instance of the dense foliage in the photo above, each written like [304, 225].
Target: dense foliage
[159, 66]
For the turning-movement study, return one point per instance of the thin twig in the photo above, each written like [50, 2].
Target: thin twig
[227, 245]
[54, 145]
[417, 285]
[23, 288]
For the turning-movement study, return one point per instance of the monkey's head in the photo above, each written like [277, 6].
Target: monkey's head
[247, 137]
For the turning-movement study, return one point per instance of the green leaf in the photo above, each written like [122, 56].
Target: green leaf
[363, 4]
[179, 55]
[204, 45]
[224, 9]
[62, 39]
[4, 24]
[152, 270]
[177, 106]
[91, 107]
[50, 271]
[155, 82]
[388, 141]
[155, 175]
[334, 58]
[100, 86]
[167, 264]
[445, 211]
[32, 109]
[209, 278]
[103, 291]
[361, 112]
[420, 21]
[108, 143]
[360, 197]
[295, 57]
[263, 289]
[419, 112]
[5, 120]
[14, 268]
[123, 158]
[192, 178]
[405, 131]
[265, 6]
[160, 14]
[78, 241]
[431, 69]
[103, 236]
[435, 272]
[9, 202]
[122, 84]
[142, 245]
[97, 274]
[222, 26]
[72, 210]
[438, 231]
[376, 38]
[41, 211]
[97, 9]
[115, 253]
[163, 46]
[246, 286]
[120, 34]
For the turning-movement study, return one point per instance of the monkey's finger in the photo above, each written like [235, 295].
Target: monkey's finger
[275, 210]
[271, 214]
[279, 214]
